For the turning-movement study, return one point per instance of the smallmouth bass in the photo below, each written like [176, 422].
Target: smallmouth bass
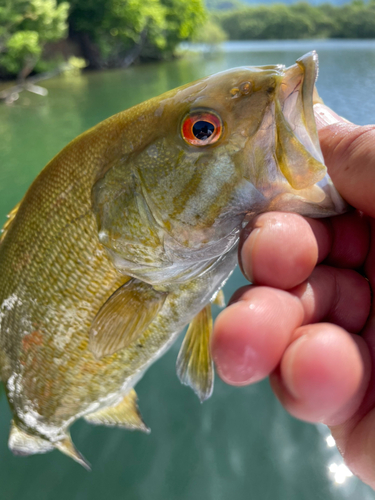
[130, 232]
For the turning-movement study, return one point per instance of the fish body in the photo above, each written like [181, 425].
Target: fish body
[131, 231]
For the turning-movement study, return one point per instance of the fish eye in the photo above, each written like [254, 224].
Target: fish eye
[201, 128]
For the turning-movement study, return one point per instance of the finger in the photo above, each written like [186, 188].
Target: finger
[281, 249]
[359, 450]
[340, 296]
[323, 374]
[350, 240]
[251, 335]
[350, 157]
[370, 260]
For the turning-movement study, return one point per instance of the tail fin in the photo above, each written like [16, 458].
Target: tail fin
[23, 444]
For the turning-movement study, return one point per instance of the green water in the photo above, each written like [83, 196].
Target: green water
[240, 444]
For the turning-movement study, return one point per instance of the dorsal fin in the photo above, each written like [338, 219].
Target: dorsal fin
[67, 447]
[10, 218]
[194, 362]
[126, 414]
[124, 317]
[22, 443]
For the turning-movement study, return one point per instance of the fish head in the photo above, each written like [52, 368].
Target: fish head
[210, 155]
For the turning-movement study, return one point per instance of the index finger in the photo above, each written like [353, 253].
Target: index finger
[281, 249]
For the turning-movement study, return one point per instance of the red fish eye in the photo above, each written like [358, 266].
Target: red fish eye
[201, 128]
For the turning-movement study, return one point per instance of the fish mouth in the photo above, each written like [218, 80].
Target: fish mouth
[300, 181]
[296, 98]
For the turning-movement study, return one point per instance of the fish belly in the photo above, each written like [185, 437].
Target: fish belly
[47, 305]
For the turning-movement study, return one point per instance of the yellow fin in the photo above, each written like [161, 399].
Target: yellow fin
[67, 447]
[298, 166]
[124, 317]
[10, 218]
[194, 362]
[219, 300]
[125, 414]
[23, 444]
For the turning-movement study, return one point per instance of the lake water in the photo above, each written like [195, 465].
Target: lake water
[240, 444]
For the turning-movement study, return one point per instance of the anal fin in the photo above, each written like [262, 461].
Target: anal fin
[126, 414]
[124, 317]
[194, 362]
[67, 447]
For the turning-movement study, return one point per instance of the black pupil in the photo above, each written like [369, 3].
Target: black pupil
[202, 130]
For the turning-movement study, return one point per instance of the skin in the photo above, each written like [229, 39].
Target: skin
[308, 321]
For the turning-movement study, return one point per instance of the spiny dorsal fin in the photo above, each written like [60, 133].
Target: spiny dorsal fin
[126, 414]
[219, 300]
[67, 447]
[194, 362]
[22, 443]
[124, 317]
[10, 218]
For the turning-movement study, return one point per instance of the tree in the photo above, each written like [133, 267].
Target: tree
[115, 32]
[25, 27]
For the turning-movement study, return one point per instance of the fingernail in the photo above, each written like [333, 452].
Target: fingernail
[326, 116]
[247, 254]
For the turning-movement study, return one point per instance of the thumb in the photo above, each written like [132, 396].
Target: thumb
[349, 153]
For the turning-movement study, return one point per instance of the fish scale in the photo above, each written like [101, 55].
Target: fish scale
[129, 233]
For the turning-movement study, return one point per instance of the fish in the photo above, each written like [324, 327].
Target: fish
[129, 234]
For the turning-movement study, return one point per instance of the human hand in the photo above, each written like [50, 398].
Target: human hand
[308, 321]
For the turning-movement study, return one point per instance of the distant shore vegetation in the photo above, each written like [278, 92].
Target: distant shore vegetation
[300, 20]
[37, 36]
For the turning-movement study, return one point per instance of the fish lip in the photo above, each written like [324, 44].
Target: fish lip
[295, 95]
[293, 114]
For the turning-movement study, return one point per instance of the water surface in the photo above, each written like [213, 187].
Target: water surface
[240, 444]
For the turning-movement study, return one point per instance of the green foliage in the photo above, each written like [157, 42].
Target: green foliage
[210, 33]
[301, 20]
[183, 18]
[112, 27]
[22, 47]
[108, 32]
[25, 27]
[223, 4]
[108, 29]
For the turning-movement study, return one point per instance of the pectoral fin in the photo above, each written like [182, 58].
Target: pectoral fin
[124, 317]
[219, 300]
[126, 414]
[194, 363]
